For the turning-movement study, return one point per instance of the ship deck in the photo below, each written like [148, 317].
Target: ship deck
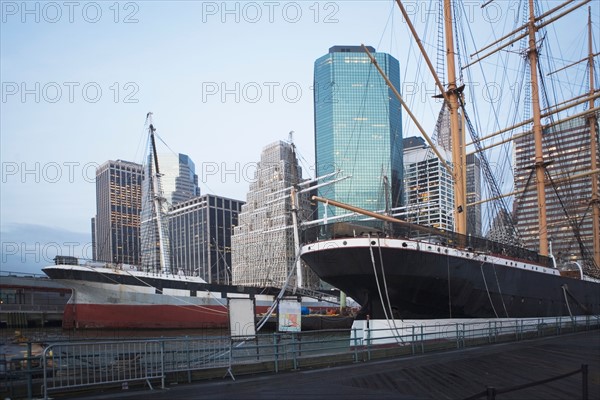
[449, 375]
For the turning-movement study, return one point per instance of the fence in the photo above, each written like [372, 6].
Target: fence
[490, 392]
[76, 365]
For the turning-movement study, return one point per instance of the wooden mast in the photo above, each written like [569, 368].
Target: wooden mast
[539, 165]
[458, 142]
[595, 201]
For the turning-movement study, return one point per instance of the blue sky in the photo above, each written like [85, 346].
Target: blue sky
[223, 79]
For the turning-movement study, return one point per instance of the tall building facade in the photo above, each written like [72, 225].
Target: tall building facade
[429, 188]
[474, 220]
[566, 147]
[200, 231]
[118, 208]
[264, 252]
[179, 180]
[358, 128]
[473, 173]
[178, 183]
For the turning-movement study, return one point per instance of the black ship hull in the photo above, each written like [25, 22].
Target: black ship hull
[416, 279]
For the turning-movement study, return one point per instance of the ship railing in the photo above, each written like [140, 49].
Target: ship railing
[372, 228]
[316, 294]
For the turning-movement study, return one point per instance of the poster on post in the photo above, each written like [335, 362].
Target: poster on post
[290, 316]
[242, 323]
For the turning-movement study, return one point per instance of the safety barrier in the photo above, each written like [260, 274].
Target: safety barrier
[76, 365]
[491, 392]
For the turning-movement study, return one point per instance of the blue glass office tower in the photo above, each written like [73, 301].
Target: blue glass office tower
[358, 129]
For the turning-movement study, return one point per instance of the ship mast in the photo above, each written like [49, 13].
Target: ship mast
[458, 141]
[595, 202]
[158, 201]
[539, 165]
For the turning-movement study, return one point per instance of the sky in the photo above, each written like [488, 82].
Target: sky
[223, 80]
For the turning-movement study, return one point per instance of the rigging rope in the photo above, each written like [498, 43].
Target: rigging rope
[487, 290]
[397, 336]
[500, 291]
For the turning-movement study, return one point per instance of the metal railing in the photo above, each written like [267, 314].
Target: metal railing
[491, 392]
[76, 365]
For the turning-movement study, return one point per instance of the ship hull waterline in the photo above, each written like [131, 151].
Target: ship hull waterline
[422, 280]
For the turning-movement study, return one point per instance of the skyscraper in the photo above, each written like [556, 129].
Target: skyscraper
[358, 128]
[567, 146]
[118, 207]
[429, 188]
[179, 180]
[178, 183]
[474, 222]
[200, 234]
[264, 251]
[473, 173]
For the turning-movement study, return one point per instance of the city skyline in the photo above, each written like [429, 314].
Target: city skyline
[79, 79]
[358, 129]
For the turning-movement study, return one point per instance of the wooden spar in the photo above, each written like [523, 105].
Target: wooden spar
[410, 114]
[522, 134]
[539, 165]
[547, 114]
[595, 201]
[517, 30]
[459, 161]
[555, 181]
[413, 31]
[382, 217]
[516, 39]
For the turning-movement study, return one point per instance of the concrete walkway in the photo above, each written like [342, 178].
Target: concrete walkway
[447, 375]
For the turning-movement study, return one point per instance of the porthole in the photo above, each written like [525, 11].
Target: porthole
[404, 244]
[344, 243]
[373, 243]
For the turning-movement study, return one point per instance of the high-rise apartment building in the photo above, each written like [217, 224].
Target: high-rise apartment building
[429, 188]
[566, 149]
[358, 128]
[264, 251]
[118, 208]
[200, 232]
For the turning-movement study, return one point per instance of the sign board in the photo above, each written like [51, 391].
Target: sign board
[289, 316]
[242, 322]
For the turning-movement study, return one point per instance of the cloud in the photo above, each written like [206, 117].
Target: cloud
[26, 248]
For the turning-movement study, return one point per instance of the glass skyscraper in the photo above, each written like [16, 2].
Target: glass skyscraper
[179, 180]
[358, 129]
[178, 183]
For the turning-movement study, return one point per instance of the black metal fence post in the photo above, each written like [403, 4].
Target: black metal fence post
[584, 381]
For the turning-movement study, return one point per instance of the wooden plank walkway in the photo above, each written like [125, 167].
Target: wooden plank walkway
[448, 375]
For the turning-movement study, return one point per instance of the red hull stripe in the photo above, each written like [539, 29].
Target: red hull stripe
[101, 316]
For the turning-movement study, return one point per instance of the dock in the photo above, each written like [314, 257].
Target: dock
[31, 301]
[453, 374]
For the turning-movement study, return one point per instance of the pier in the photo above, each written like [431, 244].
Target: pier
[458, 374]
[31, 301]
[543, 360]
